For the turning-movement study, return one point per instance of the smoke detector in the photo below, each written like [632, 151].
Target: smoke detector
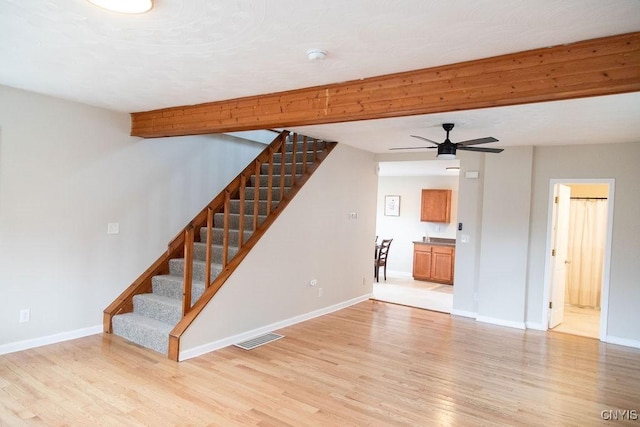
[316, 54]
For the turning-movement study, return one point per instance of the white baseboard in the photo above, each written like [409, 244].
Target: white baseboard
[464, 313]
[51, 339]
[536, 325]
[225, 342]
[501, 322]
[622, 341]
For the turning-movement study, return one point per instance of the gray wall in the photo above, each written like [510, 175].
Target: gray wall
[616, 161]
[470, 191]
[505, 233]
[500, 272]
[66, 170]
[313, 238]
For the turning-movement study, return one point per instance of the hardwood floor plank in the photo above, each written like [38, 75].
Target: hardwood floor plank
[371, 364]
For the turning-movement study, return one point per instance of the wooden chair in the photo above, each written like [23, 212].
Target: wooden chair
[381, 259]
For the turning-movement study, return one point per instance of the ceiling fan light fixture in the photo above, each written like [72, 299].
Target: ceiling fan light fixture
[446, 151]
[124, 6]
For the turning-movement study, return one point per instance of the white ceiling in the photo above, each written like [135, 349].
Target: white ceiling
[192, 51]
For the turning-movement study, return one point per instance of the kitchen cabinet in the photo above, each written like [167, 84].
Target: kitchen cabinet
[433, 263]
[436, 206]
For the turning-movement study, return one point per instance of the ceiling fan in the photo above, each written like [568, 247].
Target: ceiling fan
[447, 149]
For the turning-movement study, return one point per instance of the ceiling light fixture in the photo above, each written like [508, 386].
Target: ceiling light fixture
[446, 151]
[124, 6]
[316, 54]
[453, 168]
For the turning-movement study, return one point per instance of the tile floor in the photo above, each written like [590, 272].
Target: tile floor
[414, 293]
[437, 297]
[580, 321]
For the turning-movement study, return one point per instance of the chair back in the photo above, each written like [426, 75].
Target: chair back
[384, 251]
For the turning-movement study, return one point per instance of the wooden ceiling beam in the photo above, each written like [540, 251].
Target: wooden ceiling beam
[604, 66]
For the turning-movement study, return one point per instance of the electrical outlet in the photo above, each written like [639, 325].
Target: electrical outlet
[113, 228]
[353, 215]
[25, 315]
[319, 292]
[313, 282]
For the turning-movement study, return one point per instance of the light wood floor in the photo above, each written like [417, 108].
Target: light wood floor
[371, 364]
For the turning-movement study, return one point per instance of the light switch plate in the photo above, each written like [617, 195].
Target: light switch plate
[113, 228]
[471, 174]
[464, 238]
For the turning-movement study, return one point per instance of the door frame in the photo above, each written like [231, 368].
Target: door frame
[606, 267]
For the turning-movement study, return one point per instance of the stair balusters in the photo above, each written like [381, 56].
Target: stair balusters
[183, 244]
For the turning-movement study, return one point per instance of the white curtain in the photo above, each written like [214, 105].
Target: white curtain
[587, 233]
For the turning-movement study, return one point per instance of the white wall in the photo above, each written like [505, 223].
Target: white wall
[407, 227]
[313, 238]
[66, 170]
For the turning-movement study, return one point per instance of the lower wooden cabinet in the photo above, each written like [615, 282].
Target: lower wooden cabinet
[433, 263]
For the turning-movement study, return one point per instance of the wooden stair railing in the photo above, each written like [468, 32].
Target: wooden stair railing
[183, 244]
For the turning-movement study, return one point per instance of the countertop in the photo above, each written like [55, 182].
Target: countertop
[434, 241]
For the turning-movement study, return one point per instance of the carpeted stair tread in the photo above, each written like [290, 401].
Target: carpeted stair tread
[264, 180]
[217, 234]
[200, 250]
[277, 157]
[170, 286]
[155, 314]
[288, 167]
[176, 268]
[234, 220]
[248, 206]
[263, 192]
[144, 331]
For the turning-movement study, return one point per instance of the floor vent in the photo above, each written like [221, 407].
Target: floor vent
[258, 341]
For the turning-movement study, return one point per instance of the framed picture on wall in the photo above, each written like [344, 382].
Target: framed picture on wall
[392, 205]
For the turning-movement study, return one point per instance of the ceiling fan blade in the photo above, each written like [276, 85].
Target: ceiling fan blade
[424, 139]
[484, 150]
[477, 141]
[409, 148]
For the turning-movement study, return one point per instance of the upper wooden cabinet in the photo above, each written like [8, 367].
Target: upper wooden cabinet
[436, 206]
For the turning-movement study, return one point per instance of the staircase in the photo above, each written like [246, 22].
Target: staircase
[159, 306]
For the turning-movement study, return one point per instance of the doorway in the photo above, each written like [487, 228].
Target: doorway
[579, 240]
[406, 180]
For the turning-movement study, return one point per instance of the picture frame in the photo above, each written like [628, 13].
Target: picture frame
[392, 205]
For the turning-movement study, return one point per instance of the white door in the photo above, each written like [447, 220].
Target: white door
[559, 254]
